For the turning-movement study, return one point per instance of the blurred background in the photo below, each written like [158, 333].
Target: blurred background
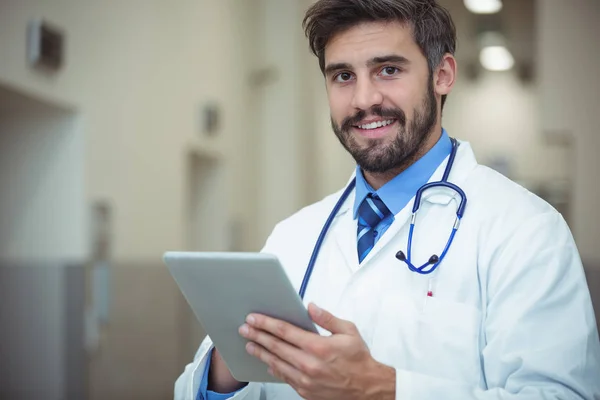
[129, 128]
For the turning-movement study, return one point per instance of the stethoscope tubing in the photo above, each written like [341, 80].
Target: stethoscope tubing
[434, 261]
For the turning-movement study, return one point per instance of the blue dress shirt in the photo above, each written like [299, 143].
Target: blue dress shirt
[395, 194]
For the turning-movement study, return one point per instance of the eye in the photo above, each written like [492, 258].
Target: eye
[343, 77]
[390, 71]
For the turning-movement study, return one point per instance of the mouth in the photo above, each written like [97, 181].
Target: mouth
[375, 128]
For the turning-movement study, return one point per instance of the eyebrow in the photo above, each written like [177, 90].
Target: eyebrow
[331, 68]
[393, 58]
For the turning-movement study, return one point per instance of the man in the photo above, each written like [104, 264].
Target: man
[505, 313]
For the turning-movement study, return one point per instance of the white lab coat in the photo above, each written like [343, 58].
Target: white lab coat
[511, 314]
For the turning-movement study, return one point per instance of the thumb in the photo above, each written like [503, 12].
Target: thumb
[330, 322]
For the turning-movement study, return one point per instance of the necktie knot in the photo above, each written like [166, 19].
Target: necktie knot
[371, 211]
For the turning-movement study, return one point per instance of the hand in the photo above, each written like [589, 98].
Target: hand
[336, 367]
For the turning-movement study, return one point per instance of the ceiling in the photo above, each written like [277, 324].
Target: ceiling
[516, 21]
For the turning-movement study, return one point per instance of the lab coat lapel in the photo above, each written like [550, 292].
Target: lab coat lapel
[345, 236]
[343, 233]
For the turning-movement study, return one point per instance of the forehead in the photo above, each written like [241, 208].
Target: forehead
[371, 39]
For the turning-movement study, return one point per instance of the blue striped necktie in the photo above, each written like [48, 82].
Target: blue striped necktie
[370, 213]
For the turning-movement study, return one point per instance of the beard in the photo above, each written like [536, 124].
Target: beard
[379, 157]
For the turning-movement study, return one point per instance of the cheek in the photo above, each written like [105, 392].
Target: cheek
[405, 98]
[339, 103]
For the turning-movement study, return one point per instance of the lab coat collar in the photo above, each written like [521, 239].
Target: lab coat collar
[464, 163]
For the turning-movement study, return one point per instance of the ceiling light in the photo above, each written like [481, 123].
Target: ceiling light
[496, 58]
[483, 6]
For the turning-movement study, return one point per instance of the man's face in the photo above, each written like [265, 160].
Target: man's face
[381, 95]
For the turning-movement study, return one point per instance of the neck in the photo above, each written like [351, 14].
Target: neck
[377, 180]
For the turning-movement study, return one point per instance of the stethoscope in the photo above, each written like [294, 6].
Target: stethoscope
[434, 261]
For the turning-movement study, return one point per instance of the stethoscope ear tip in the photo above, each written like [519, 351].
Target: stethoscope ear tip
[433, 259]
[400, 256]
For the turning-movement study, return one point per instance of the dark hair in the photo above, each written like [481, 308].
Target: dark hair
[432, 26]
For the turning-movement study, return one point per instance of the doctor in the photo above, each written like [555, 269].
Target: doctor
[504, 313]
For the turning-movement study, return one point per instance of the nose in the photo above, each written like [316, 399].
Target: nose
[366, 95]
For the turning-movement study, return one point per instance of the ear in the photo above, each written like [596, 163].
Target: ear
[445, 75]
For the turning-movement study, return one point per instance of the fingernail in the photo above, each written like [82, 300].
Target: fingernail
[250, 348]
[270, 371]
[250, 319]
[244, 330]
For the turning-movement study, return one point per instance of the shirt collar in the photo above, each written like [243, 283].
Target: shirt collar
[396, 193]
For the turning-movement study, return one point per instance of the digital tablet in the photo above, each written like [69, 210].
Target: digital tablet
[223, 288]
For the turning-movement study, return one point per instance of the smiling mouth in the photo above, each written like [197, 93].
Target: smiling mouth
[375, 124]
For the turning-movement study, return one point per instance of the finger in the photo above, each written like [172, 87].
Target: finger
[299, 359]
[277, 367]
[283, 330]
[330, 322]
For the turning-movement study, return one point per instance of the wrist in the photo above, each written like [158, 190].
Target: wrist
[220, 379]
[382, 382]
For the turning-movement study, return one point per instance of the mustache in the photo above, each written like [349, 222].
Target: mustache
[394, 113]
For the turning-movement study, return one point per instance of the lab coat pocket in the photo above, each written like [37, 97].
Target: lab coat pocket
[449, 334]
[439, 338]
[458, 318]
